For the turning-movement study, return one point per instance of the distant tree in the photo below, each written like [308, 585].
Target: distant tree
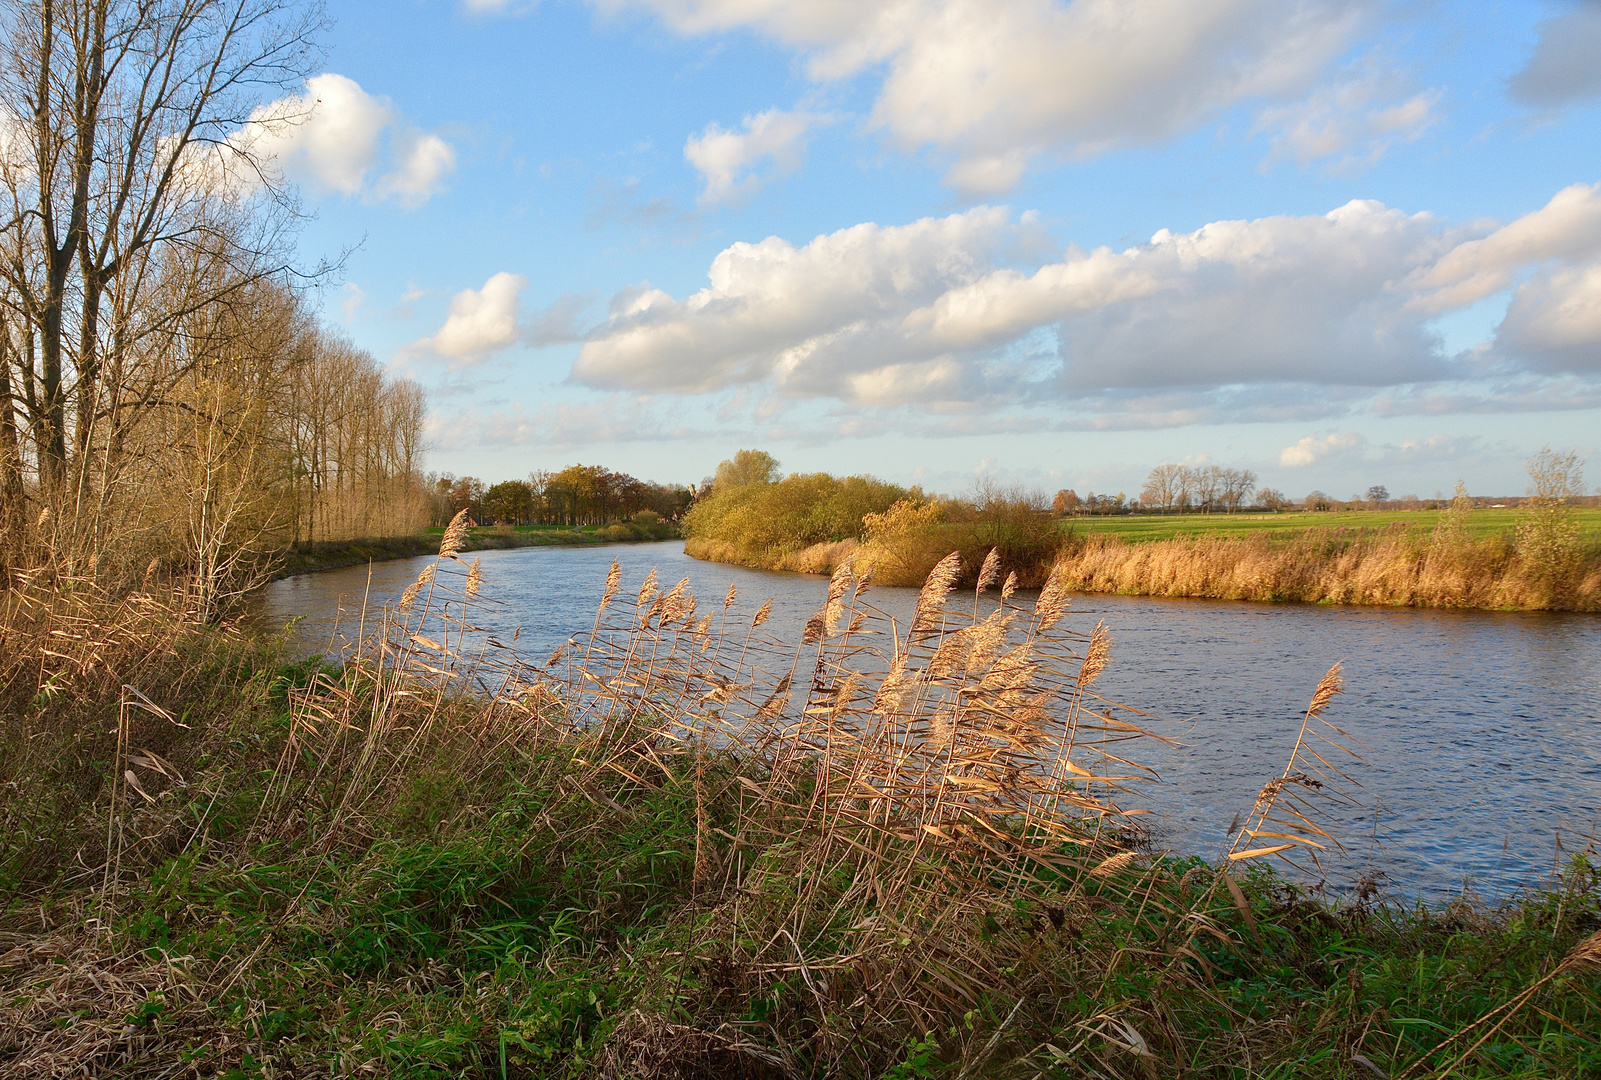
[1164, 487]
[510, 502]
[467, 493]
[1208, 484]
[747, 467]
[1316, 500]
[1378, 495]
[1271, 499]
[1066, 502]
[1237, 487]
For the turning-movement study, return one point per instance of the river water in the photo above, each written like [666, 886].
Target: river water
[1483, 729]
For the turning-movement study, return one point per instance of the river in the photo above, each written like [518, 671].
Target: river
[1483, 729]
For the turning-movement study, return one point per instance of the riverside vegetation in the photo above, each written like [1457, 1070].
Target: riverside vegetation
[1542, 558]
[682, 848]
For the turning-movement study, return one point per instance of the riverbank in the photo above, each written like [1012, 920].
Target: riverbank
[319, 871]
[1446, 564]
[1396, 566]
[337, 554]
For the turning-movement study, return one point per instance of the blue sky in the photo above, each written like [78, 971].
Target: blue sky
[1339, 243]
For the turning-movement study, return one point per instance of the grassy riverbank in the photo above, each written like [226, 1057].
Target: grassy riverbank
[1402, 565]
[252, 867]
[1544, 556]
[332, 555]
[1478, 523]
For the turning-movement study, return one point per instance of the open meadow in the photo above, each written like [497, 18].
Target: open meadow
[1137, 528]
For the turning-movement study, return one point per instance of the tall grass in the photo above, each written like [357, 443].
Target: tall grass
[684, 847]
[1396, 565]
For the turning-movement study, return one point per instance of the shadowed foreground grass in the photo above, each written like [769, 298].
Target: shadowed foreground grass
[680, 849]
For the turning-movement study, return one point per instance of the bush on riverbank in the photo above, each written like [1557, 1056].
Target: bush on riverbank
[816, 523]
[762, 521]
[672, 853]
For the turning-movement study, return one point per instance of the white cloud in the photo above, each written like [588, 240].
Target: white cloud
[1564, 68]
[1311, 449]
[726, 159]
[923, 312]
[333, 138]
[994, 82]
[1278, 318]
[771, 306]
[481, 321]
[1555, 320]
[1568, 227]
[1354, 121]
[424, 160]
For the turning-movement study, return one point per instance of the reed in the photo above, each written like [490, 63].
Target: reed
[681, 846]
[1395, 566]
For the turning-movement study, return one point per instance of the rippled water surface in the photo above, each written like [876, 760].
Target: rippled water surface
[1483, 729]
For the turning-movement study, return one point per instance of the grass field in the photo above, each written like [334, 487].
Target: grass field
[1141, 527]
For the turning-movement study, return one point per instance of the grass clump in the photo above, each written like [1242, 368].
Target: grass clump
[683, 848]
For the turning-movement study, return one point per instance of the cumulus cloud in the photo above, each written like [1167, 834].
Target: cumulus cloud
[994, 83]
[1566, 228]
[485, 321]
[1311, 449]
[935, 313]
[333, 138]
[481, 321]
[1565, 67]
[772, 308]
[1554, 321]
[726, 160]
[922, 312]
[423, 161]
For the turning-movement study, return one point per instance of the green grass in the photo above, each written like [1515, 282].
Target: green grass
[1141, 527]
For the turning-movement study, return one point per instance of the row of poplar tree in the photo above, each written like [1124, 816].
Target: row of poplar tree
[168, 399]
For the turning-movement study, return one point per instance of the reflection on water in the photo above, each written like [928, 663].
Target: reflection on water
[1482, 728]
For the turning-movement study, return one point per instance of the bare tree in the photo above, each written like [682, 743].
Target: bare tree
[1164, 487]
[1237, 487]
[132, 198]
[1207, 483]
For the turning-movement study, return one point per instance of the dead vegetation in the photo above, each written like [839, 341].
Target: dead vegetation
[681, 847]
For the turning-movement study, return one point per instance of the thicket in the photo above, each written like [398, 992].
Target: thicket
[815, 522]
[754, 517]
[168, 404]
[682, 848]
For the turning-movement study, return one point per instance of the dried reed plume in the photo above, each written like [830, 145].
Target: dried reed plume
[455, 533]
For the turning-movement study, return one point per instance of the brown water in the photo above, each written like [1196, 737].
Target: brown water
[1483, 728]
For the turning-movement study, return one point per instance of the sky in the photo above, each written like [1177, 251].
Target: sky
[1052, 242]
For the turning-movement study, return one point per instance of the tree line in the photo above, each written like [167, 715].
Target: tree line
[168, 401]
[575, 496]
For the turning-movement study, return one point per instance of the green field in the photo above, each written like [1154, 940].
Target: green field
[1141, 527]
